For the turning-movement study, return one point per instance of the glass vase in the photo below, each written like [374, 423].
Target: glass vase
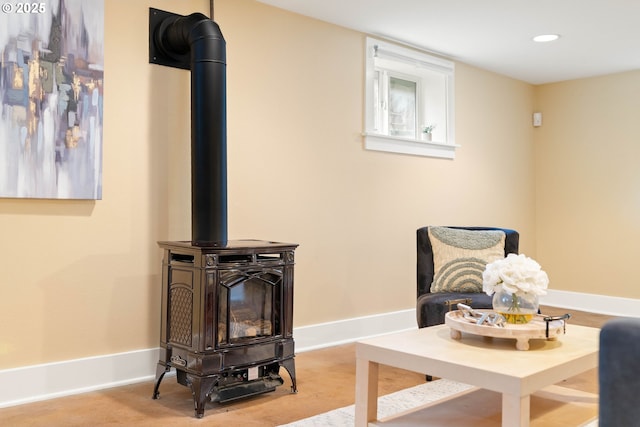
[516, 309]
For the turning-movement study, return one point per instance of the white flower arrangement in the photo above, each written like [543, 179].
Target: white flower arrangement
[516, 275]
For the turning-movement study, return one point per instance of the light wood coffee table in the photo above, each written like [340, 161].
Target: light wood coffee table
[488, 363]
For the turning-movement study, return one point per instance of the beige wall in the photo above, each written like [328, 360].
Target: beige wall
[82, 278]
[588, 184]
[298, 172]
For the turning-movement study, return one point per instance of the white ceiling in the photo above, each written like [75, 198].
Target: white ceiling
[597, 36]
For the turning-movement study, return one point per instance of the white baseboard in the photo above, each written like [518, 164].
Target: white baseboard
[50, 380]
[47, 381]
[349, 330]
[602, 304]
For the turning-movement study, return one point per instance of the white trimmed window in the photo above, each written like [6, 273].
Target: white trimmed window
[406, 92]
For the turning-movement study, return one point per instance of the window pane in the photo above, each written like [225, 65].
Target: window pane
[402, 107]
[378, 111]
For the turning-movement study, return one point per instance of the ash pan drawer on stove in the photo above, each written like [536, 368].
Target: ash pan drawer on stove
[250, 355]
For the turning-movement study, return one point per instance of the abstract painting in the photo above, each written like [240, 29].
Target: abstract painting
[51, 99]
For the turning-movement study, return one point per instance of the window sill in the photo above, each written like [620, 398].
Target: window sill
[416, 147]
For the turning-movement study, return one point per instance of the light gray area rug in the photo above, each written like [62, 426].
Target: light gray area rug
[388, 405]
[397, 403]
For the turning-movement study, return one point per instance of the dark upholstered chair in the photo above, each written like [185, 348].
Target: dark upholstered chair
[432, 307]
[618, 373]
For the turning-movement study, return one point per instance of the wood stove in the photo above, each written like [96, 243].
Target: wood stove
[227, 305]
[227, 317]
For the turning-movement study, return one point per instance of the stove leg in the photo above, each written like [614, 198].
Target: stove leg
[290, 366]
[161, 369]
[201, 388]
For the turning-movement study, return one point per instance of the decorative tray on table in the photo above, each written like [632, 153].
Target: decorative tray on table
[540, 327]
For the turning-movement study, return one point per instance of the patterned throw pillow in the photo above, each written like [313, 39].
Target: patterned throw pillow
[460, 257]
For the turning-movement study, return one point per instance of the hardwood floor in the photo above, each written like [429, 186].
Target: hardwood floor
[326, 381]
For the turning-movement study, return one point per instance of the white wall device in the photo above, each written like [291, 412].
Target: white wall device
[537, 119]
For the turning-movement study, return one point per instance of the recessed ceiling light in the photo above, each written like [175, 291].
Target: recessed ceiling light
[546, 38]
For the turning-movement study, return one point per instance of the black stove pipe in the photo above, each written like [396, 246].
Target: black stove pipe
[201, 39]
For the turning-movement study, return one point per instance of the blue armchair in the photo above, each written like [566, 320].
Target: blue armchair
[618, 373]
[432, 307]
